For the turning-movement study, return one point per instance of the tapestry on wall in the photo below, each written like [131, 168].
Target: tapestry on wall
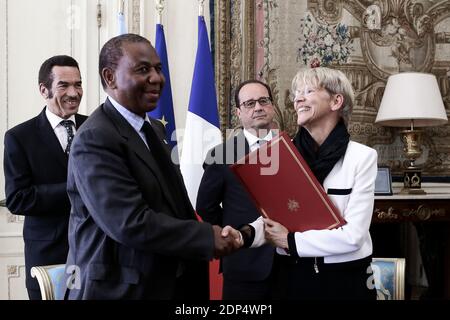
[368, 41]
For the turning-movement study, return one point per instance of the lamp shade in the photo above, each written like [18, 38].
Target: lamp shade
[412, 96]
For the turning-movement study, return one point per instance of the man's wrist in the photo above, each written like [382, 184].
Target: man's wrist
[248, 235]
[241, 239]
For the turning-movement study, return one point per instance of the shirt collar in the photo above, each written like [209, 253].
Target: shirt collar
[56, 120]
[252, 139]
[133, 119]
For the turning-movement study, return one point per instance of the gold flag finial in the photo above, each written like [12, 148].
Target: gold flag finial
[200, 7]
[159, 5]
[121, 6]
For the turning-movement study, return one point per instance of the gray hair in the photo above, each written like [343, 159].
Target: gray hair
[332, 80]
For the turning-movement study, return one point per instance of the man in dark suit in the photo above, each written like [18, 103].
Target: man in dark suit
[223, 200]
[132, 231]
[35, 166]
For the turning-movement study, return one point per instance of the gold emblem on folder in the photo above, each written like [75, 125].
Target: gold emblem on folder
[293, 205]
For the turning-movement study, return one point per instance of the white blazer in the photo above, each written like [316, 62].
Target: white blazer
[350, 185]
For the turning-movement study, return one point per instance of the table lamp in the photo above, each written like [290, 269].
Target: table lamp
[412, 99]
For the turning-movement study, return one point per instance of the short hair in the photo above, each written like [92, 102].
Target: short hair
[242, 84]
[112, 52]
[332, 80]
[45, 71]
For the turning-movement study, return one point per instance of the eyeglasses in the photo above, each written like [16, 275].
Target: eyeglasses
[250, 104]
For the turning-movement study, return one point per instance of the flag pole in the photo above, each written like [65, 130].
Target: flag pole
[159, 10]
[121, 6]
[200, 7]
[121, 25]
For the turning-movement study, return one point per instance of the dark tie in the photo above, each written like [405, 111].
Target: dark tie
[164, 162]
[68, 125]
[260, 142]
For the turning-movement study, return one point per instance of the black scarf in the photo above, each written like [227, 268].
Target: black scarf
[321, 159]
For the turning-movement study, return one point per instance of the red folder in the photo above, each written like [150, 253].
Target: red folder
[284, 188]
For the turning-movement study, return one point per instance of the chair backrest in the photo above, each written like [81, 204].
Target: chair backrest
[389, 278]
[51, 281]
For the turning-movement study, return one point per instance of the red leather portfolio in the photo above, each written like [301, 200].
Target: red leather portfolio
[284, 188]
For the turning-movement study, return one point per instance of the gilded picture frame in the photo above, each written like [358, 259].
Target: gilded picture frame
[389, 278]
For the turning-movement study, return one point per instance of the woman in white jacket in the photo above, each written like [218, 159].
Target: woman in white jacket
[326, 264]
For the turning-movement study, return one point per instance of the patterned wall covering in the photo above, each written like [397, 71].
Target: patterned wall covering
[368, 40]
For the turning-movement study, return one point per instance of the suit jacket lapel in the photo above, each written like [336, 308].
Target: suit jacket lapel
[50, 141]
[138, 146]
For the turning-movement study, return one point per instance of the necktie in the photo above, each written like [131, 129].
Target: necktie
[261, 142]
[164, 162]
[68, 125]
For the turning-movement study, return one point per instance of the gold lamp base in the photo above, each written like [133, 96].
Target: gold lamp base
[412, 181]
[412, 177]
[412, 191]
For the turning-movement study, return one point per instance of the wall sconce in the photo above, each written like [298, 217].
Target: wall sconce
[412, 99]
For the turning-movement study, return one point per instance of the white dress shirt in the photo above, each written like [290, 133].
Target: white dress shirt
[254, 142]
[132, 118]
[58, 128]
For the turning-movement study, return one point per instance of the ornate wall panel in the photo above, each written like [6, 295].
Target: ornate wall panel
[368, 40]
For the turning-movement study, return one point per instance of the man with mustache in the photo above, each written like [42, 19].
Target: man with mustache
[223, 200]
[132, 231]
[35, 166]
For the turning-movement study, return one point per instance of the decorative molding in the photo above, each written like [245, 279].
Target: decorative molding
[136, 16]
[424, 212]
[5, 235]
[222, 42]
[236, 56]
[12, 255]
[13, 218]
[6, 64]
[234, 53]
[13, 271]
[248, 41]
[383, 215]
[326, 11]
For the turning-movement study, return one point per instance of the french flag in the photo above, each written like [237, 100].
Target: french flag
[202, 131]
[121, 25]
[164, 110]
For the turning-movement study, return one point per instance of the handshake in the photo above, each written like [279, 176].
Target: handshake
[226, 240]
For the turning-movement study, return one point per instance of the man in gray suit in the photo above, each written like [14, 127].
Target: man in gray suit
[132, 231]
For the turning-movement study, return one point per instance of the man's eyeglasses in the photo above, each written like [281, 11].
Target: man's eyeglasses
[250, 104]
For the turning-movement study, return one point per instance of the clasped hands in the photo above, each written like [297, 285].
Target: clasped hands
[228, 239]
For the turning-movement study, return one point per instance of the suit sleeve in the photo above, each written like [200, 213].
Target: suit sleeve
[114, 200]
[358, 214]
[210, 192]
[23, 196]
